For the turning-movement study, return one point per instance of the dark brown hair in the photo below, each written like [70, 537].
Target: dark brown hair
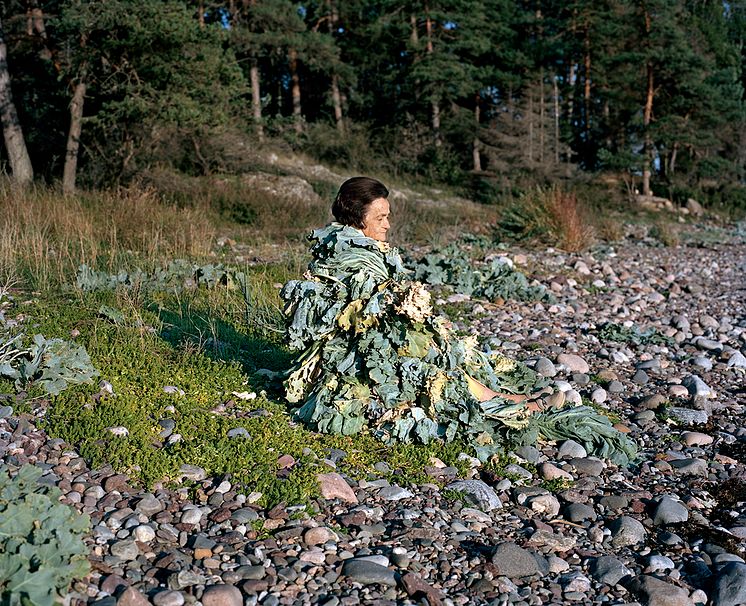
[353, 199]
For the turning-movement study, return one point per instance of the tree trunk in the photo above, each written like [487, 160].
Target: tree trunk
[542, 103]
[587, 86]
[556, 120]
[646, 118]
[297, 110]
[672, 159]
[35, 19]
[201, 15]
[336, 96]
[20, 163]
[530, 126]
[435, 103]
[477, 159]
[35, 26]
[256, 99]
[70, 170]
[571, 60]
[413, 21]
[337, 102]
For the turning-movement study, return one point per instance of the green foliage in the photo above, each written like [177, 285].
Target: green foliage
[582, 424]
[493, 280]
[472, 94]
[374, 355]
[176, 275]
[602, 410]
[49, 364]
[200, 342]
[631, 334]
[158, 83]
[41, 546]
[664, 233]
[551, 215]
[557, 484]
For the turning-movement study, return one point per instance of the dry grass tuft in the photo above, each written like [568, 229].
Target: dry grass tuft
[552, 215]
[44, 236]
[567, 220]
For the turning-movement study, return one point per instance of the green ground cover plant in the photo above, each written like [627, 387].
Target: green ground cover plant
[631, 334]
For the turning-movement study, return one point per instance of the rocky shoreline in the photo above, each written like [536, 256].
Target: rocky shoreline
[668, 531]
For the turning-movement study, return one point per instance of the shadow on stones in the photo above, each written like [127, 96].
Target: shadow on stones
[478, 550]
[736, 451]
[691, 532]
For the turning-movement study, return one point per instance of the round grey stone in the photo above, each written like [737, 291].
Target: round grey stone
[143, 533]
[515, 562]
[477, 493]
[570, 449]
[690, 467]
[149, 505]
[730, 585]
[658, 563]
[529, 453]
[579, 512]
[222, 595]
[697, 387]
[626, 531]
[254, 573]
[394, 493]
[702, 362]
[589, 466]
[545, 367]
[192, 472]
[608, 570]
[125, 550]
[573, 363]
[655, 592]
[737, 360]
[367, 572]
[669, 511]
[168, 598]
[244, 515]
[191, 516]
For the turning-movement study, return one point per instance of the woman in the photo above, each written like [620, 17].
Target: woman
[374, 354]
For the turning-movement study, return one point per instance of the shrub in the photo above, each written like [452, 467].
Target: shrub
[41, 546]
[664, 232]
[553, 215]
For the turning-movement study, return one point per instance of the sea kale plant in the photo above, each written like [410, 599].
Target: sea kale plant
[51, 364]
[174, 276]
[41, 545]
[493, 280]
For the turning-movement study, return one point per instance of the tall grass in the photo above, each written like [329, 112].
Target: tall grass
[45, 236]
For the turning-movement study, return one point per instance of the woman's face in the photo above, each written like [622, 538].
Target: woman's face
[376, 219]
